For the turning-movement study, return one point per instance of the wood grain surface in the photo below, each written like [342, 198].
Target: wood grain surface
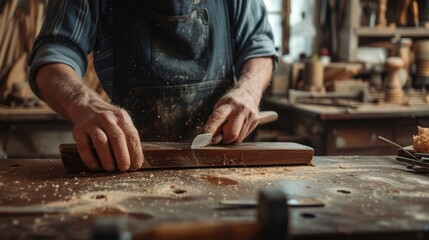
[180, 155]
[366, 197]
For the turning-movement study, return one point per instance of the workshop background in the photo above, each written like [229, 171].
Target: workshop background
[350, 71]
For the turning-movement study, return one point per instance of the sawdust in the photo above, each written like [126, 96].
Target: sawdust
[421, 141]
[263, 174]
[98, 199]
[389, 181]
[219, 180]
[93, 203]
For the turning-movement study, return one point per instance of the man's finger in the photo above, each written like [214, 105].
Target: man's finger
[136, 152]
[118, 144]
[251, 124]
[232, 128]
[216, 139]
[102, 146]
[86, 153]
[133, 143]
[244, 130]
[252, 128]
[217, 118]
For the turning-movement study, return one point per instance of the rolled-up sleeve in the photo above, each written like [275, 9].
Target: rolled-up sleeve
[252, 34]
[67, 36]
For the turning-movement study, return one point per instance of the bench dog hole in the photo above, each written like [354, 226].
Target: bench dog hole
[308, 215]
[179, 191]
[99, 196]
[344, 191]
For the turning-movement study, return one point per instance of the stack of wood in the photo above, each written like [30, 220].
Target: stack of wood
[20, 23]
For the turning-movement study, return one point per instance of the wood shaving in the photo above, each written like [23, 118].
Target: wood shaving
[421, 141]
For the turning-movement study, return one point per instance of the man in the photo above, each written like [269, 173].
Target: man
[176, 67]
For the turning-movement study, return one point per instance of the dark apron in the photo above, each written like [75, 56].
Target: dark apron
[174, 61]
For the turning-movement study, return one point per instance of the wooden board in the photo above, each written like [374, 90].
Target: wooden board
[180, 155]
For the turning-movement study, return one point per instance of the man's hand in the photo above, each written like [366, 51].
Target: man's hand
[235, 115]
[97, 125]
[111, 132]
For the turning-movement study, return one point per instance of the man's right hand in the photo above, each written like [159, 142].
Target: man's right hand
[97, 124]
[110, 131]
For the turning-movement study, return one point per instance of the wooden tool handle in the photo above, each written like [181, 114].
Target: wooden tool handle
[415, 11]
[403, 10]
[267, 117]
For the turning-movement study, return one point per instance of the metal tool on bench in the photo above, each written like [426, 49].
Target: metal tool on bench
[206, 139]
[298, 96]
[398, 146]
[292, 202]
[272, 223]
[414, 159]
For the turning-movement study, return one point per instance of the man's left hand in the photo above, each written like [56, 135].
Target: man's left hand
[235, 115]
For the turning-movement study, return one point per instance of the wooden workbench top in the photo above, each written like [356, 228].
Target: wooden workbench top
[362, 195]
[364, 111]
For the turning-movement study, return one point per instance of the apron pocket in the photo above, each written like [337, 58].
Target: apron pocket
[180, 50]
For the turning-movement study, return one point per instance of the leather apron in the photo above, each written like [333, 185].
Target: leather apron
[175, 64]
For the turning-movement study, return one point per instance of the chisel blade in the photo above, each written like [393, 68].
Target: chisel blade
[202, 140]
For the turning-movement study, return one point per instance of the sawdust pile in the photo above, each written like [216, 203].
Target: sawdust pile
[421, 141]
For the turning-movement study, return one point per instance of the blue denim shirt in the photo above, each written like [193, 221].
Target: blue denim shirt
[74, 28]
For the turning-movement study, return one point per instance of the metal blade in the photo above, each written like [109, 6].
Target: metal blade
[297, 202]
[202, 140]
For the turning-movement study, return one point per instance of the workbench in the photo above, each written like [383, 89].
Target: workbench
[365, 196]
[334, 130]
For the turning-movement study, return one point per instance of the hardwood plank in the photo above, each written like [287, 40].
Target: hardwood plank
[180, 155]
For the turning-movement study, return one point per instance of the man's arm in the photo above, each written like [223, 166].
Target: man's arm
[97, 124]
[235, 115]
[57, 63]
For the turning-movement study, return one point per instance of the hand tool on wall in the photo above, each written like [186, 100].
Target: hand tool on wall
[381, 13]
[369, 8]
[415, 13]
[205, 139]
[403, 12]
[404, 8]
[272, 223]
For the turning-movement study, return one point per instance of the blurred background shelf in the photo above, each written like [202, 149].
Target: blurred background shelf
[388, 32]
